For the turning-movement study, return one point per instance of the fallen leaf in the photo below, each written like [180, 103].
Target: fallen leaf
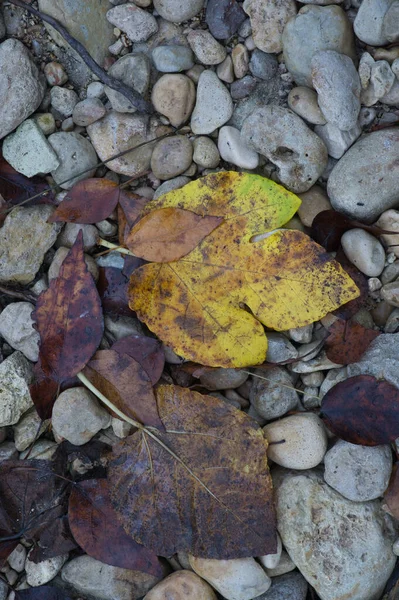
[362, 410]
[16, 188]
[56, 539]
[212, 497]
[44, 391]
[129, 210]
[96, 529]
[148, 352]
[124, 381]
[391, 494]
[112, 286]
[43, 592]
[69, 318]
[347, 341]
[167, 234]
[348, 310]
[211, 305]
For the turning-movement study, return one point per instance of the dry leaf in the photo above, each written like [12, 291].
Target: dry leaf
[199, 305]
[167, 234]
[147, 351]
[217, 506]
[347, 341]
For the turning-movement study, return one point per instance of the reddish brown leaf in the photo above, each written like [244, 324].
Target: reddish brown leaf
[168, 234]
[147, 351]
[43, 592]
[16, 188]
[43, 391]
[112, 286]
[347, 341]
[349, 309]
[362, 410]
[69, 318]
[391, 494]
[129, 210]
[123, 381]
[96, 529]
[88, 201]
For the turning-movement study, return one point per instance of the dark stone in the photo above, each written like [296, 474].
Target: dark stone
[263, 65]
[224, 17]
[291, 586]
[242, 87]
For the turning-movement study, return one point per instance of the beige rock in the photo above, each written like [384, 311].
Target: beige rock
[389, 220]
[16, 327]
[171, 157]
[240, 57]
[28, 429]
[314, 201]
[285, 565]
[303, 101]
[268, 18]
[16, 374]
[59, 258]
[181, 585]
[206, 48]
[225, 70]
[174, 96]
[205, 153]
[390, 293]
[364, 251]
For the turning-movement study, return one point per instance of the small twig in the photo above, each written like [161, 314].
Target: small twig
[15, 294]
[114, 247]
[134, 97]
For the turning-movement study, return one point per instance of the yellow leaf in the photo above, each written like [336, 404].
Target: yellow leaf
[210, 305]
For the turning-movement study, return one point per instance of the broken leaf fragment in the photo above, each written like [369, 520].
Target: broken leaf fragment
[210, 306]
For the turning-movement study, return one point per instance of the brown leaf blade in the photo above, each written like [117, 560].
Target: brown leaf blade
[147, 351]
[218, 504]
[69, 318]
[96, 529]
[347, 341]
[16, 188]
[391, 494]
[167, 234]
[362, 410]
[43, 391]
[88, 201]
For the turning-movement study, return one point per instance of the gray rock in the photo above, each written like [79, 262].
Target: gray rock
[224, 18]
[177, 11]
[119, 327]
[16, 374]
[243, 87]
[92, 577]
[2, 26]
[28, 151]
[16, 327]
[205, 153]
[78, 159]
[274, 397]
[342, 548]
[171, 157]
[24, 239]
[8, 451]
[41, 450]
[22, 87]
[364, 251]
[314, 29]
[263, 65]
[355, 185]
[222, 379]
[225, 70]
[88, 111]
[336, 140]
[390, 24]
[282, 136]
[359, 473]
[63, 100]
[70, 232]
[207, 50]
[279, 348]
[172, 59]
[268, 18]
[380, 360]
[17, 558]
[233, 148]
[338, 87]
[137, 23]
[368, 24]
[171, 184]
[44, 571]
[134, 71]
[265, 93]
[3, 590]
[28, 429]
[291, 586]
[214, 105]
[392, 97]
[303, 101]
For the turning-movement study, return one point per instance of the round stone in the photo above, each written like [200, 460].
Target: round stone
[181, 585]
[206, 154]
[172, 59]
[214, 105]
[88, 111]
[303, 101]
[178, 11]
[206, 48]
[233, 149]
[174, 96]
[171, 157]
[364, 251]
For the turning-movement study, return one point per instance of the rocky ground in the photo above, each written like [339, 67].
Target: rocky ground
[301, 93]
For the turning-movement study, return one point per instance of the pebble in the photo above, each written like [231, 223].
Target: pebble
[8, 451]
[174, 97]
[364, 182]
[284, 566]
[279, 348]
[390, 24]
[55, 73]
[234, 149]
[88, 111]
[224, 18]
[89, 576]
[389, 220]
[275, 395]
[314, 29]
[171, 157]
[172, 59]
[303, 101]
[117, 132]
[268, 19]
[310, 364]
[43, 572]
[263, 65]
[240, 58]
[180, 585]
[390, 293]
[291, 586]
[222, 379]
[22, 87]
[282, 136]
[20, 260]
[214, 105]
[95, 89]
[305, 441]
[28, 151]
[302, 335]
[314, 201]
[92, 417]
[63, 100]
[178, 11]
[225, 70]
[359, 473]
[270, 561]
[28, 429]
[16, 327]
[17, 558]
[325, 536]
[236, 579]
[364, 251]
[46, 122]
[243, 87]
[134, 71]
[138, 24]
[381, 82]
[76, 154]
[16, 374]
[336, 140]
[59, 258]
[70, 232]
[368, 24]
[171, 184]
[206, 48]
[119, 327]
[205, 153]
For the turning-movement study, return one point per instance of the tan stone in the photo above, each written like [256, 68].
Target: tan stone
[314, 201]
[181, 585]
[174, 96]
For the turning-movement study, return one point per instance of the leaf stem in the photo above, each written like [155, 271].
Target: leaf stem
[115, 247]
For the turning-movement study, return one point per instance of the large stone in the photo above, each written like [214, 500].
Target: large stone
[369, 21]
[390, 26]
[214, 105]
[171, 157]
[138, 24]
[315, 28]
[22, 87]
[77, 156]
[342, 548]
[84, 21]
[28, 151]
[16, 327]
[381, 360]
[181, 585]
[16, 374]
[24, 239]
[224, 17]
[291, 586]
[268, 19]
[365, 182]
[174, 96]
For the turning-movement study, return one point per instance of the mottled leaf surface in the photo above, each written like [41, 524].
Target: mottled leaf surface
[146, 351]
[347, 341]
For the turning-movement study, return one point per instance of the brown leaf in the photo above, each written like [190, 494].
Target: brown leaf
[112, 286]
[43, 391]
[391, 494]
[347, 341]
[129, 210]
[88, 201]
[147, 351]
[349, 309]
[167, 234]
[96, 529]
[362, 410]
[124, 381]
[16, 188]
[213, 498]
[69, 318]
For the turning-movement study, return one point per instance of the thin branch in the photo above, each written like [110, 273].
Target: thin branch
[134, 97]
[114, 247]
[16, 294]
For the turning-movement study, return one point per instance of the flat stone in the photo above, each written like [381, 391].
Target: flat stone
[78, 159]
[28, 429]
[233, 149]
[268, 19]
[171, 157]
[22, 87]
[222, 379]
[303, 101]
[171, 184]
[16, 374]
[342, 548]
[214, 105]
[24, 239]
[368, 25]
[174, 96]
[275, 396]
[172, 59]
[336, 140]
[177, 11]
[263, 65]
[41, 450]
[134, 71]
[41, 573]
[207, 50]
[181, 585]
[205, 153]
[390, 24]
[224, 18]
[138, 24]
[364, 251]
[16, 327]
[28, 151]
[88, 111]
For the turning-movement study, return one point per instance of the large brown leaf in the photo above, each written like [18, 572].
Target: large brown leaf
[16, 188]
[213, 498]
[147, 351]
[69, 318]
[347, 341]
[96, 529]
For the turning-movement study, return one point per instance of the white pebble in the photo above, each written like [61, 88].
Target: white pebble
[233, 149]
[364, 251]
